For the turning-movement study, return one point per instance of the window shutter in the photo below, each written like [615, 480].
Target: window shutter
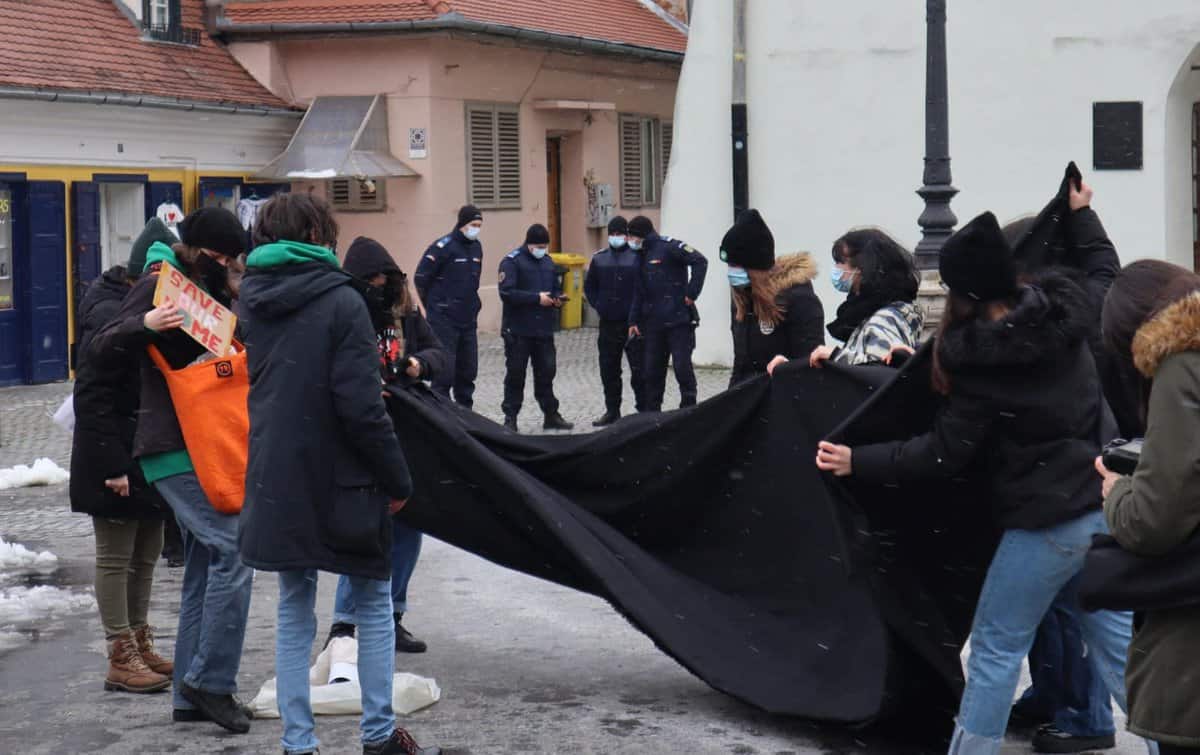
[668, 136]
[508, 158]
[631, 161]
[352, 195]
[339, 193]
[481, 155]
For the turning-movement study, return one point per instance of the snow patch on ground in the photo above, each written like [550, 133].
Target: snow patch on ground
[17, 556]
[43, 472]
[23, 605]
[24, 608]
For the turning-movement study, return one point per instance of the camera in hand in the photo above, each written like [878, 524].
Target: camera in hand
[1121, 456]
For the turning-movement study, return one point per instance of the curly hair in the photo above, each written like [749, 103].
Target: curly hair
[887, 269]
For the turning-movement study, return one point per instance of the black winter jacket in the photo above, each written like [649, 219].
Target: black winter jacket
[802, 329]
[324, 456]
[106, 416]
[1025, 405]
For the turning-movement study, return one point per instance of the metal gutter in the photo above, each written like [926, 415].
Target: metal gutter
[455, 22]
[141, 100]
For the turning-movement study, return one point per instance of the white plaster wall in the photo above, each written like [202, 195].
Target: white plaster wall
[836, 102]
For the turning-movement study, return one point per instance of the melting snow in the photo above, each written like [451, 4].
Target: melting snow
[29, 604]
[17, 556]
[43, 472]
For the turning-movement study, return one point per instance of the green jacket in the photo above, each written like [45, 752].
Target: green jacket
[1155, 511]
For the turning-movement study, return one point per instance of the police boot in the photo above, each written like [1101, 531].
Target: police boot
[607, 419]
[510, 423]
[555, 421]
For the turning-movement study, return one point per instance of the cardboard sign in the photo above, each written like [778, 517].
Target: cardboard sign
[204, 318]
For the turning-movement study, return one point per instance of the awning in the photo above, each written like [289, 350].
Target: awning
[340, 137]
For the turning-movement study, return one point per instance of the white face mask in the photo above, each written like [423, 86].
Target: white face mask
[634, 244]
[537, 251]
[472, 232]
[616, 242]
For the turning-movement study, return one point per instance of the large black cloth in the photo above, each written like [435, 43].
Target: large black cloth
[713, 532]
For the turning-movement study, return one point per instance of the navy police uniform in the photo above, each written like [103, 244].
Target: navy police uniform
[610, 285]
[528, 329]
[447, 279]
[666, 321]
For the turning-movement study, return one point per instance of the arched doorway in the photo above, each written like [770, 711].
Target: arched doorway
[1182, 165]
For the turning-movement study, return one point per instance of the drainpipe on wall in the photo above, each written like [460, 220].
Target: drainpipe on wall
[741, 162]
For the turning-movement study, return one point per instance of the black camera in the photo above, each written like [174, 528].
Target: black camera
[1121, 456]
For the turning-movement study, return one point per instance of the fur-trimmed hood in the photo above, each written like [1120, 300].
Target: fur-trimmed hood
[1051, 318]
[1173, 330]
[793, 270]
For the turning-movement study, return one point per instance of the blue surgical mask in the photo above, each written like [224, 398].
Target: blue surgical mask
[537, 251]
[616, 242]
[843, 280]
[738, 277]
[634, 245]
[471, 232]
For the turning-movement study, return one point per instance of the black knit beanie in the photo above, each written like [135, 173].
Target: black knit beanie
[977, 261]
[749, 243]
[215, 229]
[537, 234]
[618, 226]
[467, 213]
[641, 226]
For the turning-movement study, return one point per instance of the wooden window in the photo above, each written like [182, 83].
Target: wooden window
[493, 156]
[645, 153]
[353, 195]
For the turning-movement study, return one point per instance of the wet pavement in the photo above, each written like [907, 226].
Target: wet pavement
[524, 666]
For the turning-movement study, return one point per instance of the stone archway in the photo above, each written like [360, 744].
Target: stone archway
[1182, 165]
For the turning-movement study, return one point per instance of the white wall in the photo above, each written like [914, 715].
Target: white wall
[836, 103]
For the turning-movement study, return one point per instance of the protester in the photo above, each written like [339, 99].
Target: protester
[879, 315]
[1068, 705]
[532, 296]
[1152, 329]
[609, 287]
[1021, 395]
[106, 483]
[447, 280]
[408, 352]
[324, 460]
[775, 311]
[663, 312]
[215, 599]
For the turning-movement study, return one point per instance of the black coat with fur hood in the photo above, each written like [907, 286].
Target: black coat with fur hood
[802, 328]
[1025, 413]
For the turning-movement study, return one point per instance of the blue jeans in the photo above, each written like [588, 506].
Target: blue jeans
[1064, 689]
[406, 548]
[1030, 568]
[215, 600]
[295, 630]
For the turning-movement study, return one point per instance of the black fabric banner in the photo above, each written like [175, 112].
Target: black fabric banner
[712, 531]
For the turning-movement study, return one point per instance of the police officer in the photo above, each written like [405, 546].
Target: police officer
[609, 287]
[663, 310]
[447, 280]
[532, 297]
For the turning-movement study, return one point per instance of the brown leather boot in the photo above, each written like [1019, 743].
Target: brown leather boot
[127, 672]
[145, 644]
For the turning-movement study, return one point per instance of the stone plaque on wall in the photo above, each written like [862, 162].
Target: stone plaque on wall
[1117, 135]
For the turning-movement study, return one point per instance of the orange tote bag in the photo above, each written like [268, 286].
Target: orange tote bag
[210, 401]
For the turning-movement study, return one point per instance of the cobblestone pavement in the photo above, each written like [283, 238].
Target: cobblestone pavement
[524, 666]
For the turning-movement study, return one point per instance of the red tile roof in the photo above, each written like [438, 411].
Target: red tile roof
[625, 22]
[92, 46]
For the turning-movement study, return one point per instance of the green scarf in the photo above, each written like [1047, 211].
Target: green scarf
[290, 253]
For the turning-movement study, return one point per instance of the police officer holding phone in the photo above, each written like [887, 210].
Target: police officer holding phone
[532, 296]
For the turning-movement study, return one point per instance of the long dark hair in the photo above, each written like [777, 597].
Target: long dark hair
[959, 310]
[1141, 291]
[296, 217]
[887, 269]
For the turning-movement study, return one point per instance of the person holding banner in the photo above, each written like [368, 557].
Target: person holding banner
[215, 600]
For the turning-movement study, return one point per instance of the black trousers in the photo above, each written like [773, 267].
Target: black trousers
[676, 343]
[519, 351]
[461, 343]
[1165, 749]
[613, 342]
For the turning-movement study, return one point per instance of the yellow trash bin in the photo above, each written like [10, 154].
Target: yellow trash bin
[570, 266]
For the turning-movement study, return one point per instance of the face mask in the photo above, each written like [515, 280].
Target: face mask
[634, 245]
[472, 232]
[843, 280]
[213, 275]
[537, 251]
[738, 278]
[616, 242]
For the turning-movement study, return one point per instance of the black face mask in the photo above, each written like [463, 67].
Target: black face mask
[213, 275]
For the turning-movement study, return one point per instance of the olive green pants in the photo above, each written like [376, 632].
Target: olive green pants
[126, 553]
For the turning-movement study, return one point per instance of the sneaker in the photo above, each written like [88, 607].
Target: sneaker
[400, 743]
[555, 421]
[339, 629]
[222, 710]
[405, 642]
[607, 419]
[510, 423]
[1050, 738]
